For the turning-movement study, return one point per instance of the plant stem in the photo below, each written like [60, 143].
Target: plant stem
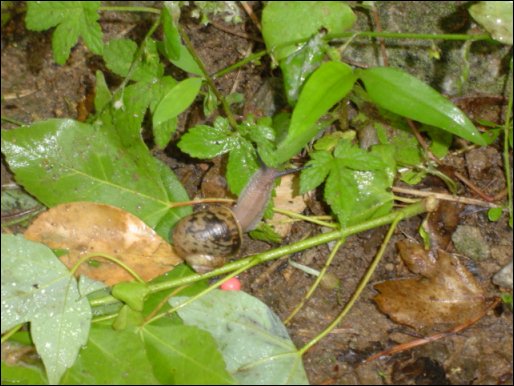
[309, 293]
[506, 145]
[231, 119]
[409, 211]
[129, 9]
[362, 284]
[243, 264]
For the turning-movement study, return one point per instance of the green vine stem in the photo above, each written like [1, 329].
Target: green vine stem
[423, 206]
[399, 215]
[316, 282]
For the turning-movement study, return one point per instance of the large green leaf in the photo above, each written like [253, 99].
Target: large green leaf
[38, 288]
[61, 160]
[405, 95]
[290, 21]
[251, 338]
[324, 88]
[111, 358]
[183, 355]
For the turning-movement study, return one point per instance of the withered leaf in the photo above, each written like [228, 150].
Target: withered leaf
[446, 294]
[285, 199]
[87, 227]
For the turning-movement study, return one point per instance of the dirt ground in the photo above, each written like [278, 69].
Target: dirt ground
[35, 88]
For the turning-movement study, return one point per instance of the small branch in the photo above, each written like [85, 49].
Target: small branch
[444, 197]
[231, 119]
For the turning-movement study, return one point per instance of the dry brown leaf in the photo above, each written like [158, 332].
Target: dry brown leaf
[446, 294]
[285, 199]
[87, 227]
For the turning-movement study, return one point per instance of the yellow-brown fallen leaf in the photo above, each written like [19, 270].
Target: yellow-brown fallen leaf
[285, 199]
[87, 227]
[446, 294]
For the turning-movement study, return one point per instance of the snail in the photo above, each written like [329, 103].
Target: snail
[206, 238]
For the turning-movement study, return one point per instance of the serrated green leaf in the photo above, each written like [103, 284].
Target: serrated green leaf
[102, 93]
[73, 19]
[252, 339]
[405, 95]
[184, 355]
[38, 288]
[241, 166]
[317, 170]
[265, 232]
[208, 141]
[61, 161]
[324, 88]
[178, 99]
[286, 22]
[111, 357]
[355, 158]
[120, 53]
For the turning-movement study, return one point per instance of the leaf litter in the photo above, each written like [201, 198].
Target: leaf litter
[88, 228]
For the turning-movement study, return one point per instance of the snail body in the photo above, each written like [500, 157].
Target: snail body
[206, 238]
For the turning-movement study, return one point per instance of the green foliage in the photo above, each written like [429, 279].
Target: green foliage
[221, 337]
[73, 19]
[68, 168]
[495, 17]
[357, 182]
[403, 94]
[252, 339]
[38, 288]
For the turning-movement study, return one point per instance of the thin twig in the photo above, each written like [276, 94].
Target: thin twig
[444, 197]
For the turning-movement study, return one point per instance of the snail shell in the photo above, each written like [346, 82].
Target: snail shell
[207, 237]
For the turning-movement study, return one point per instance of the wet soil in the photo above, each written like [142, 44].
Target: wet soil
[35, 88]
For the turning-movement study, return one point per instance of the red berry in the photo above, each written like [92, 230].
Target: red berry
[232, 284]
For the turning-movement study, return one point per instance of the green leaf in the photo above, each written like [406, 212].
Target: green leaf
[120, 53]
[23, 374]
[405, 95]
[171, 40]
[178, 99]
[241, 166]
[131, 293]
[111, 357]
[265, 232]
[286, 22]
[208, 142]
[494, 214]
[324, 88]
[61, 161]
[102, 93]
[316, 172]
[299, 65]
[252, 339]
[38, 288]
[184, 355]
[186, 62]
[495, 17]
[73, 19]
